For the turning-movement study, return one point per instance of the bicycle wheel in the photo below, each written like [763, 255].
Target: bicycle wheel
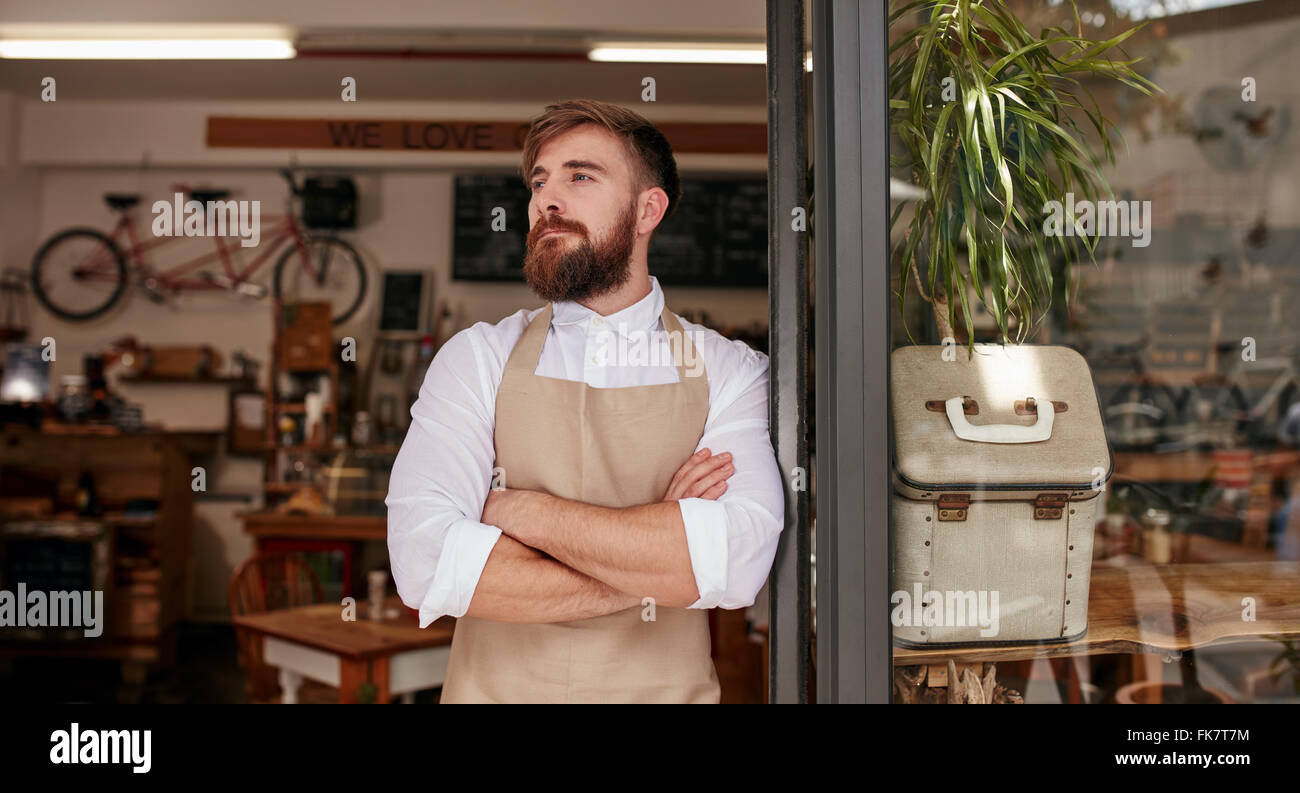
[78, 274]
[1286, 429]
[1267, 419]
[1137, 415]
[332, 272]
[1214, 414]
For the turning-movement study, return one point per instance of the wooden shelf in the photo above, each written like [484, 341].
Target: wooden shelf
[390, 448]
[218, 379]
[1191, 466]
[303, 448]
[87, 430]
[301, 407]
[284, 487]
[149, 554]
[135, 521]
[194, 442]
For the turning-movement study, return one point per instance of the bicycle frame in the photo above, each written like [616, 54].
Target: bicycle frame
[282, 227]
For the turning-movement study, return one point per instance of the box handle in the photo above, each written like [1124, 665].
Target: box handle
[1040, 430]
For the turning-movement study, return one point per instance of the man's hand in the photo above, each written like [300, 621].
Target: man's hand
[497, 507]
[637, 549]
[703, 475]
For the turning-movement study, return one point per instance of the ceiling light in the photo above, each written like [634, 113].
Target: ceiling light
[147, 49]
[674, 52]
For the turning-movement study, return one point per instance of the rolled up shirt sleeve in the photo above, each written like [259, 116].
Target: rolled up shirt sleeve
[437, 546]
[732, 541]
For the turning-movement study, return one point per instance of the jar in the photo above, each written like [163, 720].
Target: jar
[74, 398]
[1157, 542]
[361, 430]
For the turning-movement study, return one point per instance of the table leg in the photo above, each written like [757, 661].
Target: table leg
[289, 682]
[352, 674]
[379, 677]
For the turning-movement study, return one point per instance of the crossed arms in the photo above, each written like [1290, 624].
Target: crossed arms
[458, 548]
[560, 559]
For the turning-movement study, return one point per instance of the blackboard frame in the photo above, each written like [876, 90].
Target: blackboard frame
[387, 308]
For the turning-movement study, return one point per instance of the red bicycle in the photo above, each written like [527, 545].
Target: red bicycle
[80, 273]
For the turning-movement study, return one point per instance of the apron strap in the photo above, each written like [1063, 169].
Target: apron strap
[528, 350]
[683, 352]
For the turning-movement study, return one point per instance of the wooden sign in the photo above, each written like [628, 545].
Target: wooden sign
[466, 136]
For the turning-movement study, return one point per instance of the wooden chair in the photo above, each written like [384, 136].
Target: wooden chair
[266, 582]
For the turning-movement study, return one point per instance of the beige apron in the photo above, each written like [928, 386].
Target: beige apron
[614, 447]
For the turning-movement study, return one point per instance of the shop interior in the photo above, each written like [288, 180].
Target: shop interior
[201, 428]
[206, 434]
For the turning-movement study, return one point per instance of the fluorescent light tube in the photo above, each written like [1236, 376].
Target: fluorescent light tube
[665, 52]
[668, 52]
[147, 49]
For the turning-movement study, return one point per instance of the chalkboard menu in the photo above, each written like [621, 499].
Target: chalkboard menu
[401, 301]
[716, 237]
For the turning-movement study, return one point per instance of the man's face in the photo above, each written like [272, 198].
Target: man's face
[582, 216]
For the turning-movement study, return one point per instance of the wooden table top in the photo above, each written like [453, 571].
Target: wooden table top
[1211, 550]
[321, 626]
[316, 527]
[1145, 608]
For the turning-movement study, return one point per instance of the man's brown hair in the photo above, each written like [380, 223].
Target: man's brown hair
[652, 158]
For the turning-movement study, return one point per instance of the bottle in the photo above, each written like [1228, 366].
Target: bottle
[87, 503]
[416, 375]
[98, 385]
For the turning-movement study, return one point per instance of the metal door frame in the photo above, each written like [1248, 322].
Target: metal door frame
[851, 324]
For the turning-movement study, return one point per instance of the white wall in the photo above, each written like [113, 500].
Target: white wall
[1270, 54]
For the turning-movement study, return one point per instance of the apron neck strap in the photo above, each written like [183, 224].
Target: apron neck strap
[529, 351]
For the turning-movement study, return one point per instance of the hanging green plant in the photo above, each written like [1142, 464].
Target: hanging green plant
[987, 115]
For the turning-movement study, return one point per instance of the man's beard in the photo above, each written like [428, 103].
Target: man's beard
[563, 268]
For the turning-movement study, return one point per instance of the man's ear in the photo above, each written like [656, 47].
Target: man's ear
[653, 203]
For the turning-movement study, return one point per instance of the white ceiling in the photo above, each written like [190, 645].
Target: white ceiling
[373, 33]
[738, 18]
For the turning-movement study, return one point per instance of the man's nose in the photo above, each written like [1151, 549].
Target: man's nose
[549, 217]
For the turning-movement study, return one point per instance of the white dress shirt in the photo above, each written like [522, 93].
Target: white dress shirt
[437, 544]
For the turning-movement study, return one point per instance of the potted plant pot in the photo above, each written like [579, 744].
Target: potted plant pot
[1155, 692]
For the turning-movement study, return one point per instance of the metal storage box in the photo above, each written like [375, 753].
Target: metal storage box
[329, 202]
[1000, 461]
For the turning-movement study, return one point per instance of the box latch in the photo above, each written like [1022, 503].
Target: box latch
[1048, 506]
[952, 506]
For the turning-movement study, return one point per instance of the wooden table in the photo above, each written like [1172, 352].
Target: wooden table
[272, 525]
[1162, 609]
[393, 654]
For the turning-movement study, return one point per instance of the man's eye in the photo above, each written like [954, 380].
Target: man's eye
[583, 175]
[535, 185]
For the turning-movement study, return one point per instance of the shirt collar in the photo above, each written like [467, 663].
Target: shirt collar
[641, 315]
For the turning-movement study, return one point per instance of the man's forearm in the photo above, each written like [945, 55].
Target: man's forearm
[521, 584]
[640, 550]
